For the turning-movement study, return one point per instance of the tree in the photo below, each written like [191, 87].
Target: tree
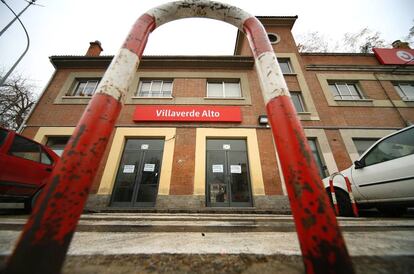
[16, 100]
[312, 42]
[361, 41]
[410, 36]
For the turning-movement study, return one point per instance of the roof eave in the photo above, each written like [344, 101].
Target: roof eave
[179, 61]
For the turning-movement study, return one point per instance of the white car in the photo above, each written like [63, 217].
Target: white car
[383, 177]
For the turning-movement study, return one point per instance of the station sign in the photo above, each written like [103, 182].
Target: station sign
[167, 113]
[396, 56]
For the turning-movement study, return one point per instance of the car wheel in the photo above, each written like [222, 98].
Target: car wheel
[344, 202]
[30, 203]
[392, 211]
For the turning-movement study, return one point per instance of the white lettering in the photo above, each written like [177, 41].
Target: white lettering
[171, 113]
[210, 114]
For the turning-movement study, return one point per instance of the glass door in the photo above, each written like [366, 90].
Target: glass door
[227, 172]
[136, 184]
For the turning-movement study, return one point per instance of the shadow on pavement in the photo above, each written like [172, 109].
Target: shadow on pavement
[375, 213]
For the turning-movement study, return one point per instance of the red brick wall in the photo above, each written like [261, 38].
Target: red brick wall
[268, 162]
[49, 114]
[189, 87]
[338, 149]
[182, 176]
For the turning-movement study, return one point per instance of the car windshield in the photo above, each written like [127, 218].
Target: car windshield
[395, 146]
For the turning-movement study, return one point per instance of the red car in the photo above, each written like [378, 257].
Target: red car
[25, 166]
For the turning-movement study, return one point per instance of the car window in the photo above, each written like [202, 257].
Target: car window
[3, 135]
[25, 148]
[45, 158]
[393, 147]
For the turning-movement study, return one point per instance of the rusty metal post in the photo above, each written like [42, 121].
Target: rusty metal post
[47, 235]
[351, 197]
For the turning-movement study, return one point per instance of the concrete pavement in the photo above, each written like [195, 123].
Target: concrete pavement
[195, 237]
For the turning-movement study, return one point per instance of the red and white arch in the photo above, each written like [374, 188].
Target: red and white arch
[322, 245]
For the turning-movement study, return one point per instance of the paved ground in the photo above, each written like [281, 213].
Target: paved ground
[217, 243]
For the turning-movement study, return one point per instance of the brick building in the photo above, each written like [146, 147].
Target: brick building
[190, 133]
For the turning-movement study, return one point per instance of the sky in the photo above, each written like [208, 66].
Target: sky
[61, 27]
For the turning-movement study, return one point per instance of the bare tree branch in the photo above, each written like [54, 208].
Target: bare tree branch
[361, 41]
[16, 100]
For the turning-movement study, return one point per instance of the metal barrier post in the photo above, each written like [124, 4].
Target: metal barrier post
[46, 237]
[333, 195]
[348, 187]
[351, 197]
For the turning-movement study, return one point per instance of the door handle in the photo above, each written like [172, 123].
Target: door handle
[49, 169]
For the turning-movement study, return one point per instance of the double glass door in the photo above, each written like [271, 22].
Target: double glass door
[227, 172]
[137, 180]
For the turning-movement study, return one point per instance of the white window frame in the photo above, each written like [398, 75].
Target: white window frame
[79, 81]
[151, 94]
[223, 85]
[401, 92]
[347, 84]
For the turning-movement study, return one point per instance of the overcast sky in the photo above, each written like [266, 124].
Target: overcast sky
[66, 27]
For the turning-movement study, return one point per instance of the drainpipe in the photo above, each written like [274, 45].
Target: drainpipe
[405, 121]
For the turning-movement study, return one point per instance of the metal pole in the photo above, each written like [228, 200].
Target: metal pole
[47, 234]
[4, 78]
[15, 16]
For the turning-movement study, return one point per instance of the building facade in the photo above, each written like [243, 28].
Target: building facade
[191, 134]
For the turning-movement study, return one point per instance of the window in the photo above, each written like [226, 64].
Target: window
[223, 89]
[273, 38]
[285, 65]
[345, 91]
[57, 144]
[297, 101]
[85, 87]
[317, 157]
[29, 150]
[362, 144]
[405, 90]
[393, 147]
[155, 88]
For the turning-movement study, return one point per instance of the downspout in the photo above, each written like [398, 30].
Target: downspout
[405, 121]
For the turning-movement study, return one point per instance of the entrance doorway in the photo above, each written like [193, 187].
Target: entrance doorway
[136, 183]
[227, 174]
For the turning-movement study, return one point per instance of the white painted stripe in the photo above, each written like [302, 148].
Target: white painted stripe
[271, 77]
[119, 75]
[199, 8]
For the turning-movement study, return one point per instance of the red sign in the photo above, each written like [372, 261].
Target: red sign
[167, 113]
[395, 56]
